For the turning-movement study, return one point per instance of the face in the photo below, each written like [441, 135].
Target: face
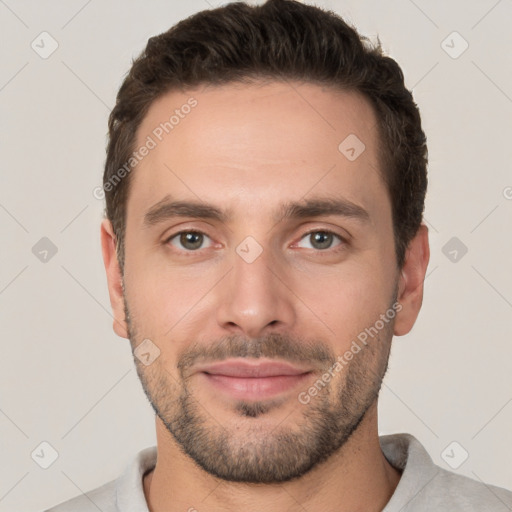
[259, 255]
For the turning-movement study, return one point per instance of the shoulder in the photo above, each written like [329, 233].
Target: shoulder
[124, 493]
[426, 486]
[450, 491]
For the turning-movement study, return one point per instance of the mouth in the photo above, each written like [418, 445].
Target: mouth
[252, 380]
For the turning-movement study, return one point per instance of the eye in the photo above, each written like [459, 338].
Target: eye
[320, 240]
[189, 240]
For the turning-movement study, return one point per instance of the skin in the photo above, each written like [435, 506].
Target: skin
[249, 150]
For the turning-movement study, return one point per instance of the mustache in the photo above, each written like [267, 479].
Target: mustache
[272, 346]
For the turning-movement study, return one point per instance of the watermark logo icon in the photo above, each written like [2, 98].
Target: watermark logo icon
[44, 45]
[44, 455]
[454, 45]
[44, 250]
[454, 455]
[351, 147]
[454, 249]
[147, 352]
[249, 249]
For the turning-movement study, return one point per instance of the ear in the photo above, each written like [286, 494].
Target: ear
[114, 278]
[410, 285]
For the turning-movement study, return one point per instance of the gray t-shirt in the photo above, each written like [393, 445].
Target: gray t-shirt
[423, 486]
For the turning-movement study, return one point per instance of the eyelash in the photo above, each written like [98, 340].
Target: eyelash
[343, 241]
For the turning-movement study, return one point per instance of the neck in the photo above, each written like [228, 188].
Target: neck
[357, 477]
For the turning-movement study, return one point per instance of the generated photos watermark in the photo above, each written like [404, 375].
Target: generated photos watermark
[304, 397]
[151, 142]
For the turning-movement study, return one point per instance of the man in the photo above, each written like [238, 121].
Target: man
[265, 183]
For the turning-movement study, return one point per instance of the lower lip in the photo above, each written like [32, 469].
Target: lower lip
[255, 388]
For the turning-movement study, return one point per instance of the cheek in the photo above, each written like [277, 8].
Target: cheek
[163, 299]
[348, 300]
[160, 300]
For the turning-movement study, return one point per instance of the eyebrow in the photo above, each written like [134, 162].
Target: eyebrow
[167, 209]
[316, 207]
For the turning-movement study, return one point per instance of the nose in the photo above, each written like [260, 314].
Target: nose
[255, 298]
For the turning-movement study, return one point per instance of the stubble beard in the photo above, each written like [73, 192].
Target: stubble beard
[262, 452]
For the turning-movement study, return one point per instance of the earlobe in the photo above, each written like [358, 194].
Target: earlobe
[412, 276]
[114, 278]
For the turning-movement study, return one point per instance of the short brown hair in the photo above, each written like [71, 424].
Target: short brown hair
[278, 40]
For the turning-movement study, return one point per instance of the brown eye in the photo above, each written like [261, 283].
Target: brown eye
[189, 240]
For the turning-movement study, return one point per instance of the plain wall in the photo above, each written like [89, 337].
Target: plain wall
[68, 380]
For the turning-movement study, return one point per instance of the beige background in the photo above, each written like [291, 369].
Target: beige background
[68, 380]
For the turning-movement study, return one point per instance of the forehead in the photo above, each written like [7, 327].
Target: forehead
[259, 144]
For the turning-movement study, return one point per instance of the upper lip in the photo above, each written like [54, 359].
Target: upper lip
[244, 368]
